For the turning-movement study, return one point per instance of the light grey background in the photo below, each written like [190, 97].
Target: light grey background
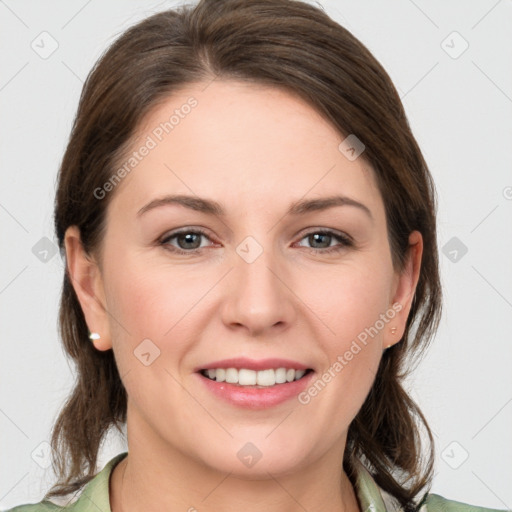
[460, 109]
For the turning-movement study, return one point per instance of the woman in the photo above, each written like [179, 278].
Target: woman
[214, 147]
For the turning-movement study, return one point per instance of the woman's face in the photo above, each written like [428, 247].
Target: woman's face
[264, 268]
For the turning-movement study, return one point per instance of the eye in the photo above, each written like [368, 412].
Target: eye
[321, 241]
[187, 241]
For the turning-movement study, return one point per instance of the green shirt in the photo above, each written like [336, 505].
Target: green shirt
[95, 497]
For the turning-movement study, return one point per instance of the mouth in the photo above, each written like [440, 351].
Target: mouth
[255, 384]
[258, 379]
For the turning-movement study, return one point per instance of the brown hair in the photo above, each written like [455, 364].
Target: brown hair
[281, 43]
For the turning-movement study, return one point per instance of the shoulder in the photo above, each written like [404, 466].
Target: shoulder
[436, 503]
[43, 506]
[49, 506]
[375, 499]
[94, 497]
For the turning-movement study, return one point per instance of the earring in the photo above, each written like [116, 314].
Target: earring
[393, 330]
[94, 336]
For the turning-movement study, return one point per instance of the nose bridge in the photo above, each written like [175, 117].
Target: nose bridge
[257, 298]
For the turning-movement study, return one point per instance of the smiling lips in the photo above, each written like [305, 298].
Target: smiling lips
[251, 372]
[255, 384]
[247, 377]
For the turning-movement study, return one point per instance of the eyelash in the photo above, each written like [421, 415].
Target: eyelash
[345, 241]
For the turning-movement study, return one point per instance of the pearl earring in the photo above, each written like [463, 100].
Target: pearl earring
[393, 331]
[94, 336]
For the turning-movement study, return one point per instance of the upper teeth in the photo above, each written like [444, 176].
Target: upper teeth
[244, 377]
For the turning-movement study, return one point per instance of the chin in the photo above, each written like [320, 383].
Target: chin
[254, 460]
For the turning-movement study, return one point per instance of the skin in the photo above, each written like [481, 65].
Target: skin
[294, 301]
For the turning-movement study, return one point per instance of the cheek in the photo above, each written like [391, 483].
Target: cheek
[150, 301]
[354, 308]
[351, 300]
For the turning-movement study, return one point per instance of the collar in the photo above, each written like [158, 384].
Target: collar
[371, 497]
[95, 495]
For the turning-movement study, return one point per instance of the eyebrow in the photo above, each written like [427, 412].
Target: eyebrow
[211, 207]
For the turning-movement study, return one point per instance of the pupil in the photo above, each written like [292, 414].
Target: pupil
[189, 239]
[318, 236]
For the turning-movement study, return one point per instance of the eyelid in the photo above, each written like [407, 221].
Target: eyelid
[345, 241]
[328, 231]
[188, 229]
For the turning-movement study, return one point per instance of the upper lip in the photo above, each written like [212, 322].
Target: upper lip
[253, 364]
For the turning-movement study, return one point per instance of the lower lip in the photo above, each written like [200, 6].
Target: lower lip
[257, 398]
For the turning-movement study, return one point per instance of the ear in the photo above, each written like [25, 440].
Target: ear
[404, 289]
[85, 276]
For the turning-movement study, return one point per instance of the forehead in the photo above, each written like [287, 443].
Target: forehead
[244, 144]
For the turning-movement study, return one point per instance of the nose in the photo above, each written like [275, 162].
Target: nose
[258, 298]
